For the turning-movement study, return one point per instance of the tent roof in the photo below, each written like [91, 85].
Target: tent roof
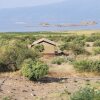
[44, 40]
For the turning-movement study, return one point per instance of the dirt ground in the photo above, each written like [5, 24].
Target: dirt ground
[61, 82]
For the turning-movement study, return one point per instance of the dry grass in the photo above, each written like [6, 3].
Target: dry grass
[86, 32]
[11, 74]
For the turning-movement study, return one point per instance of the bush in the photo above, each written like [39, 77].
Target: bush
[39, 48]
[59, 60]
[34, 70]
[69, 38]
[79, 42]
[96, 50]
[65, 46]
[87, 65]
[97, 43]
[93, 37]
[7, 98]
[86, 94]
[77, 49]
[11, 57]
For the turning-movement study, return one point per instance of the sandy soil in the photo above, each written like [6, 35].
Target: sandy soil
[58, 85]
[61, 82]
[22, 89]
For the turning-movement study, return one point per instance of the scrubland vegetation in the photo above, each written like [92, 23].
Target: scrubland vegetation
[34, 69]
[86, 93]
[83, 54]
[87, 65]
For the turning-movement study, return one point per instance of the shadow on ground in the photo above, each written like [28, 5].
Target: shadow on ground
[52, 79]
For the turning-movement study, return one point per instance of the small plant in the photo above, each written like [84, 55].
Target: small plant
[96, 50]
[97, 43]
[93, 37]
[59, 60]
[39, 48]
[86, 93]
[87, 65]
[65, 46]
[7, 98]
[77, 49]
[70, 58]
[69, 38]
[34, 70]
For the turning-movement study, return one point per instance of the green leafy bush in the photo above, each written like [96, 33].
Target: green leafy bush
[39, 48]
[69, 38]
[7, 98]
[11, 57]
[93, 37]
[86, 93]
[97, 43]
[77, 49]
[34, 70]
[79, 42]
[65, 46]
[96, 50]
[87, 65]
[60, 60]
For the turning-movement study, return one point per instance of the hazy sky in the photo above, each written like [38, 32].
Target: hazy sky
[26, 15]
[25, 3]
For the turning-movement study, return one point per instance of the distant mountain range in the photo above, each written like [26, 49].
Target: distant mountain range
[28, 19]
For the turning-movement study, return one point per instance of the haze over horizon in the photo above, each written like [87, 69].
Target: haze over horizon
[25, 15]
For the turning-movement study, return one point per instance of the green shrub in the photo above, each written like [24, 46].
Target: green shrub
[34, 70]
[59, 60]
[86, 94]
[87, 65]
[39, 48]
[93, 37]
[7, 98]
[65, 46]
[11, 57]
[79, 42]
[77, 49]
[97, 43]
[82, 65]
[96, 50]
[54, 37]
[69, 38]
[70, 58]
[75, 43]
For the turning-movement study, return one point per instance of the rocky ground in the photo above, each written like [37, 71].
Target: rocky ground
[48, 88]
[61, 82]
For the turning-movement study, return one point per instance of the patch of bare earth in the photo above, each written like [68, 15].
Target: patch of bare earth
[62, 81]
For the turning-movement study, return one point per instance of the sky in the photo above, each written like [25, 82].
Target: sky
[25, 3]
[26, 15]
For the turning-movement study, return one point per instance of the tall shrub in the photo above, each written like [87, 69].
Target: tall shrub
[34, 70]
[11, 57]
